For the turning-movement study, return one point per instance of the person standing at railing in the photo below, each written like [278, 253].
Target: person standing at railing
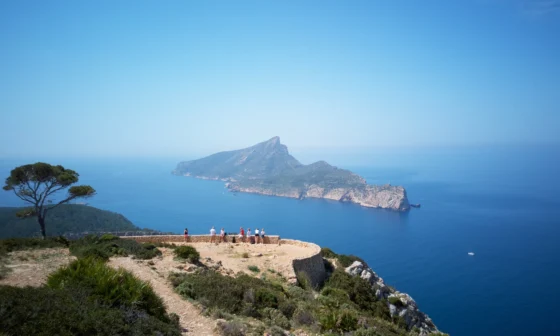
[186, 233]
[249, 235]
[241, 234]
[212, 234]
[257, 236]
[262, 236]
[222, 236]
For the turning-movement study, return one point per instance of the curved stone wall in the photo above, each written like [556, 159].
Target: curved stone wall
[311, 265]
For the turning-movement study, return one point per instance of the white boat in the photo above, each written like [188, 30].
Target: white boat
[471, 253]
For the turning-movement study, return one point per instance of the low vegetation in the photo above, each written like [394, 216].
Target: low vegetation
[345, 305]
[105, 246]
[187, 252]
[87, 297]
[342, 259]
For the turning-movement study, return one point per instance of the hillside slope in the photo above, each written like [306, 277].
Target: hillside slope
[67, 218]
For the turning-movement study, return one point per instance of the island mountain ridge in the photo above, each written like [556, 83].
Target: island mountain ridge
[267, 168]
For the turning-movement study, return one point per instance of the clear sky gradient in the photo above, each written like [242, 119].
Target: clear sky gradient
[173, 78]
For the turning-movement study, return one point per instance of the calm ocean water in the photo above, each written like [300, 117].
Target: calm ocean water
[501, 204]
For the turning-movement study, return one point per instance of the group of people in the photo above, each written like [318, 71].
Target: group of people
[259, 235]
[245, 238]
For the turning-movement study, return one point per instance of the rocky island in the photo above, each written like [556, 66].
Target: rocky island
[268, 168]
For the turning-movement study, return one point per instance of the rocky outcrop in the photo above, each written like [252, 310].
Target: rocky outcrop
[400, 304]
[385, 196]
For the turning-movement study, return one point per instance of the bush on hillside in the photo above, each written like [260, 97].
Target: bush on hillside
[347, 260]
[303, 281]
[188, 252]
[70, 311]
[338, 320]
[359, 290]
[243, 294]
[328, 253]
[108, 245]
[231, 328]
[275, 317]
[115, 288]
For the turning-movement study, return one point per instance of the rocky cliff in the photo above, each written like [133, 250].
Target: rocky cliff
[268, 169]
[400, 304]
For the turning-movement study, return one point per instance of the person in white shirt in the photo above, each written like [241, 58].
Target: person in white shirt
[212, 234]
[262, 236]
[257, 236]
[249, 235]
[222, 236]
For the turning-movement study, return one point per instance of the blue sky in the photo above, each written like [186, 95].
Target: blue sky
[173, 78]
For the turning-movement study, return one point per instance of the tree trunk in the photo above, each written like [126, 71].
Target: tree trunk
[41, 220]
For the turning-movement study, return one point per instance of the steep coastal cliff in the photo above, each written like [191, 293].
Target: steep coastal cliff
[268, 169]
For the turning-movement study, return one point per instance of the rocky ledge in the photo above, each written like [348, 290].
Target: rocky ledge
[400, 304]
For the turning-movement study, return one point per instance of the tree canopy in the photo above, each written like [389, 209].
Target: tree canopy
[37, 183]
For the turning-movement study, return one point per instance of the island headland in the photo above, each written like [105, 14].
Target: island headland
[267, 168]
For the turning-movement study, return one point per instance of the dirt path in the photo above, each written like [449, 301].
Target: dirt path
[189, 315]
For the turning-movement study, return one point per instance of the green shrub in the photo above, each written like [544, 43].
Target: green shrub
[303, 316]
[381, 310]
[114, 288]
[254, 269]
[287, 308]
[299, 293]
[188, 252]
[243, 294]
[265, 297]
[108, 237]
[276, 331]
[70, 311]
[359, 290]
[275, 317]
[232, 328]
[347, 320]
[347, 260]
[328, 320]
[338, 320]
[335, 293]
[303, 280]
[328, 253]
[245, 255]
[94, 252]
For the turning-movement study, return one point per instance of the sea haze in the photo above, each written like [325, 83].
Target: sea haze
[499, 203]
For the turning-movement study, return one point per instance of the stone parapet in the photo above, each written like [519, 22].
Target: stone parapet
[312, 265]
[194, 239]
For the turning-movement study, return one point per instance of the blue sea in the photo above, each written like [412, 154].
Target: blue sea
[500, 203]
